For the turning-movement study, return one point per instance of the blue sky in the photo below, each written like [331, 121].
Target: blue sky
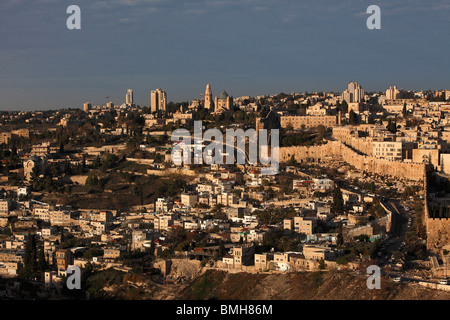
[246, 47]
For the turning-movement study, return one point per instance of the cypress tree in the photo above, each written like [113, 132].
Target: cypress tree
[42, 262]
[221, 250]
[62, 239]
[352, 119]
[29, 259]
[338, 200]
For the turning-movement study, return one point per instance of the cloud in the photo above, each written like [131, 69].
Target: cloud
[114, 4]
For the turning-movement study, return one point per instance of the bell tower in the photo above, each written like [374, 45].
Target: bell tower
[208, 97]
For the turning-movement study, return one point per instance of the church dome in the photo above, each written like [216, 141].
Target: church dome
[223, 95]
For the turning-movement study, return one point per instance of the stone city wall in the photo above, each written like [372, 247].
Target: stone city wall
[370, 164]
[438, 233]
[438, 229]
[347, 134]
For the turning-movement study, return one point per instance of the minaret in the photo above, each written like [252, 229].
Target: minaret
[208, 97]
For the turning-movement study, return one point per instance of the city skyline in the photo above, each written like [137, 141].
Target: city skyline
[244, 47]
[124, 100]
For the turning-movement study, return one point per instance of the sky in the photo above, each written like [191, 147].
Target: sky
[246, 47]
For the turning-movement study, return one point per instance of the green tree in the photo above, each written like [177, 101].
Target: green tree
[62, 238]
[342, 260]
[35, 180]
[139, 191]
[92, 252]
[42, 261]
[392, 126]
[352, 118]
[29, 259]
[110, 161]
[344, 106]
[221, 250]
[322, 264]
[292, 161]
[321, 131]
[338, 201]
[97, 162]
[92, 181]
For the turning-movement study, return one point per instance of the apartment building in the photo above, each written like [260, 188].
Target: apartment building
[158, 100]
[64, 258]
[262, 261]
[390, 150]
[300, 122]
[322, 184]
[10, 268]
[41, 211]
[4, 208]
[103, 216]
[5, 137]
[48, 232]
[59, 217]
[189, 198]
[40, 150]
[242, 255]
[316, 252]
[163, 222]
[353, 93]
[297, 224]
[112, 253]
[283, 261]
[227, 199]
[163, 205]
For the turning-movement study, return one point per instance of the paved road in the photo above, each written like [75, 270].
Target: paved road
[398, 233]
[398, 230]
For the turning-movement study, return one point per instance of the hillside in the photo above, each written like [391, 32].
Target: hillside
[306, 286]
[221, 285]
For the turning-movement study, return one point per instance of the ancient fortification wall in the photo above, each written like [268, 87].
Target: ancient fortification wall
[438, 233]
[438, 229]
[396, 169]
[365, 145]
[346, 134]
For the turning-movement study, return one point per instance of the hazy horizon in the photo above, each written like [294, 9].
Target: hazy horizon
[246, 47]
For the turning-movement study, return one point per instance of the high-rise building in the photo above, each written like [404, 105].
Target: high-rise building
[392, 93]
[354, 93]
[208, 97]
[158, 100]
[87, 106]
[129, 98]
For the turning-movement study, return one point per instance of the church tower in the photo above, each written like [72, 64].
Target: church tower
[208, 97]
